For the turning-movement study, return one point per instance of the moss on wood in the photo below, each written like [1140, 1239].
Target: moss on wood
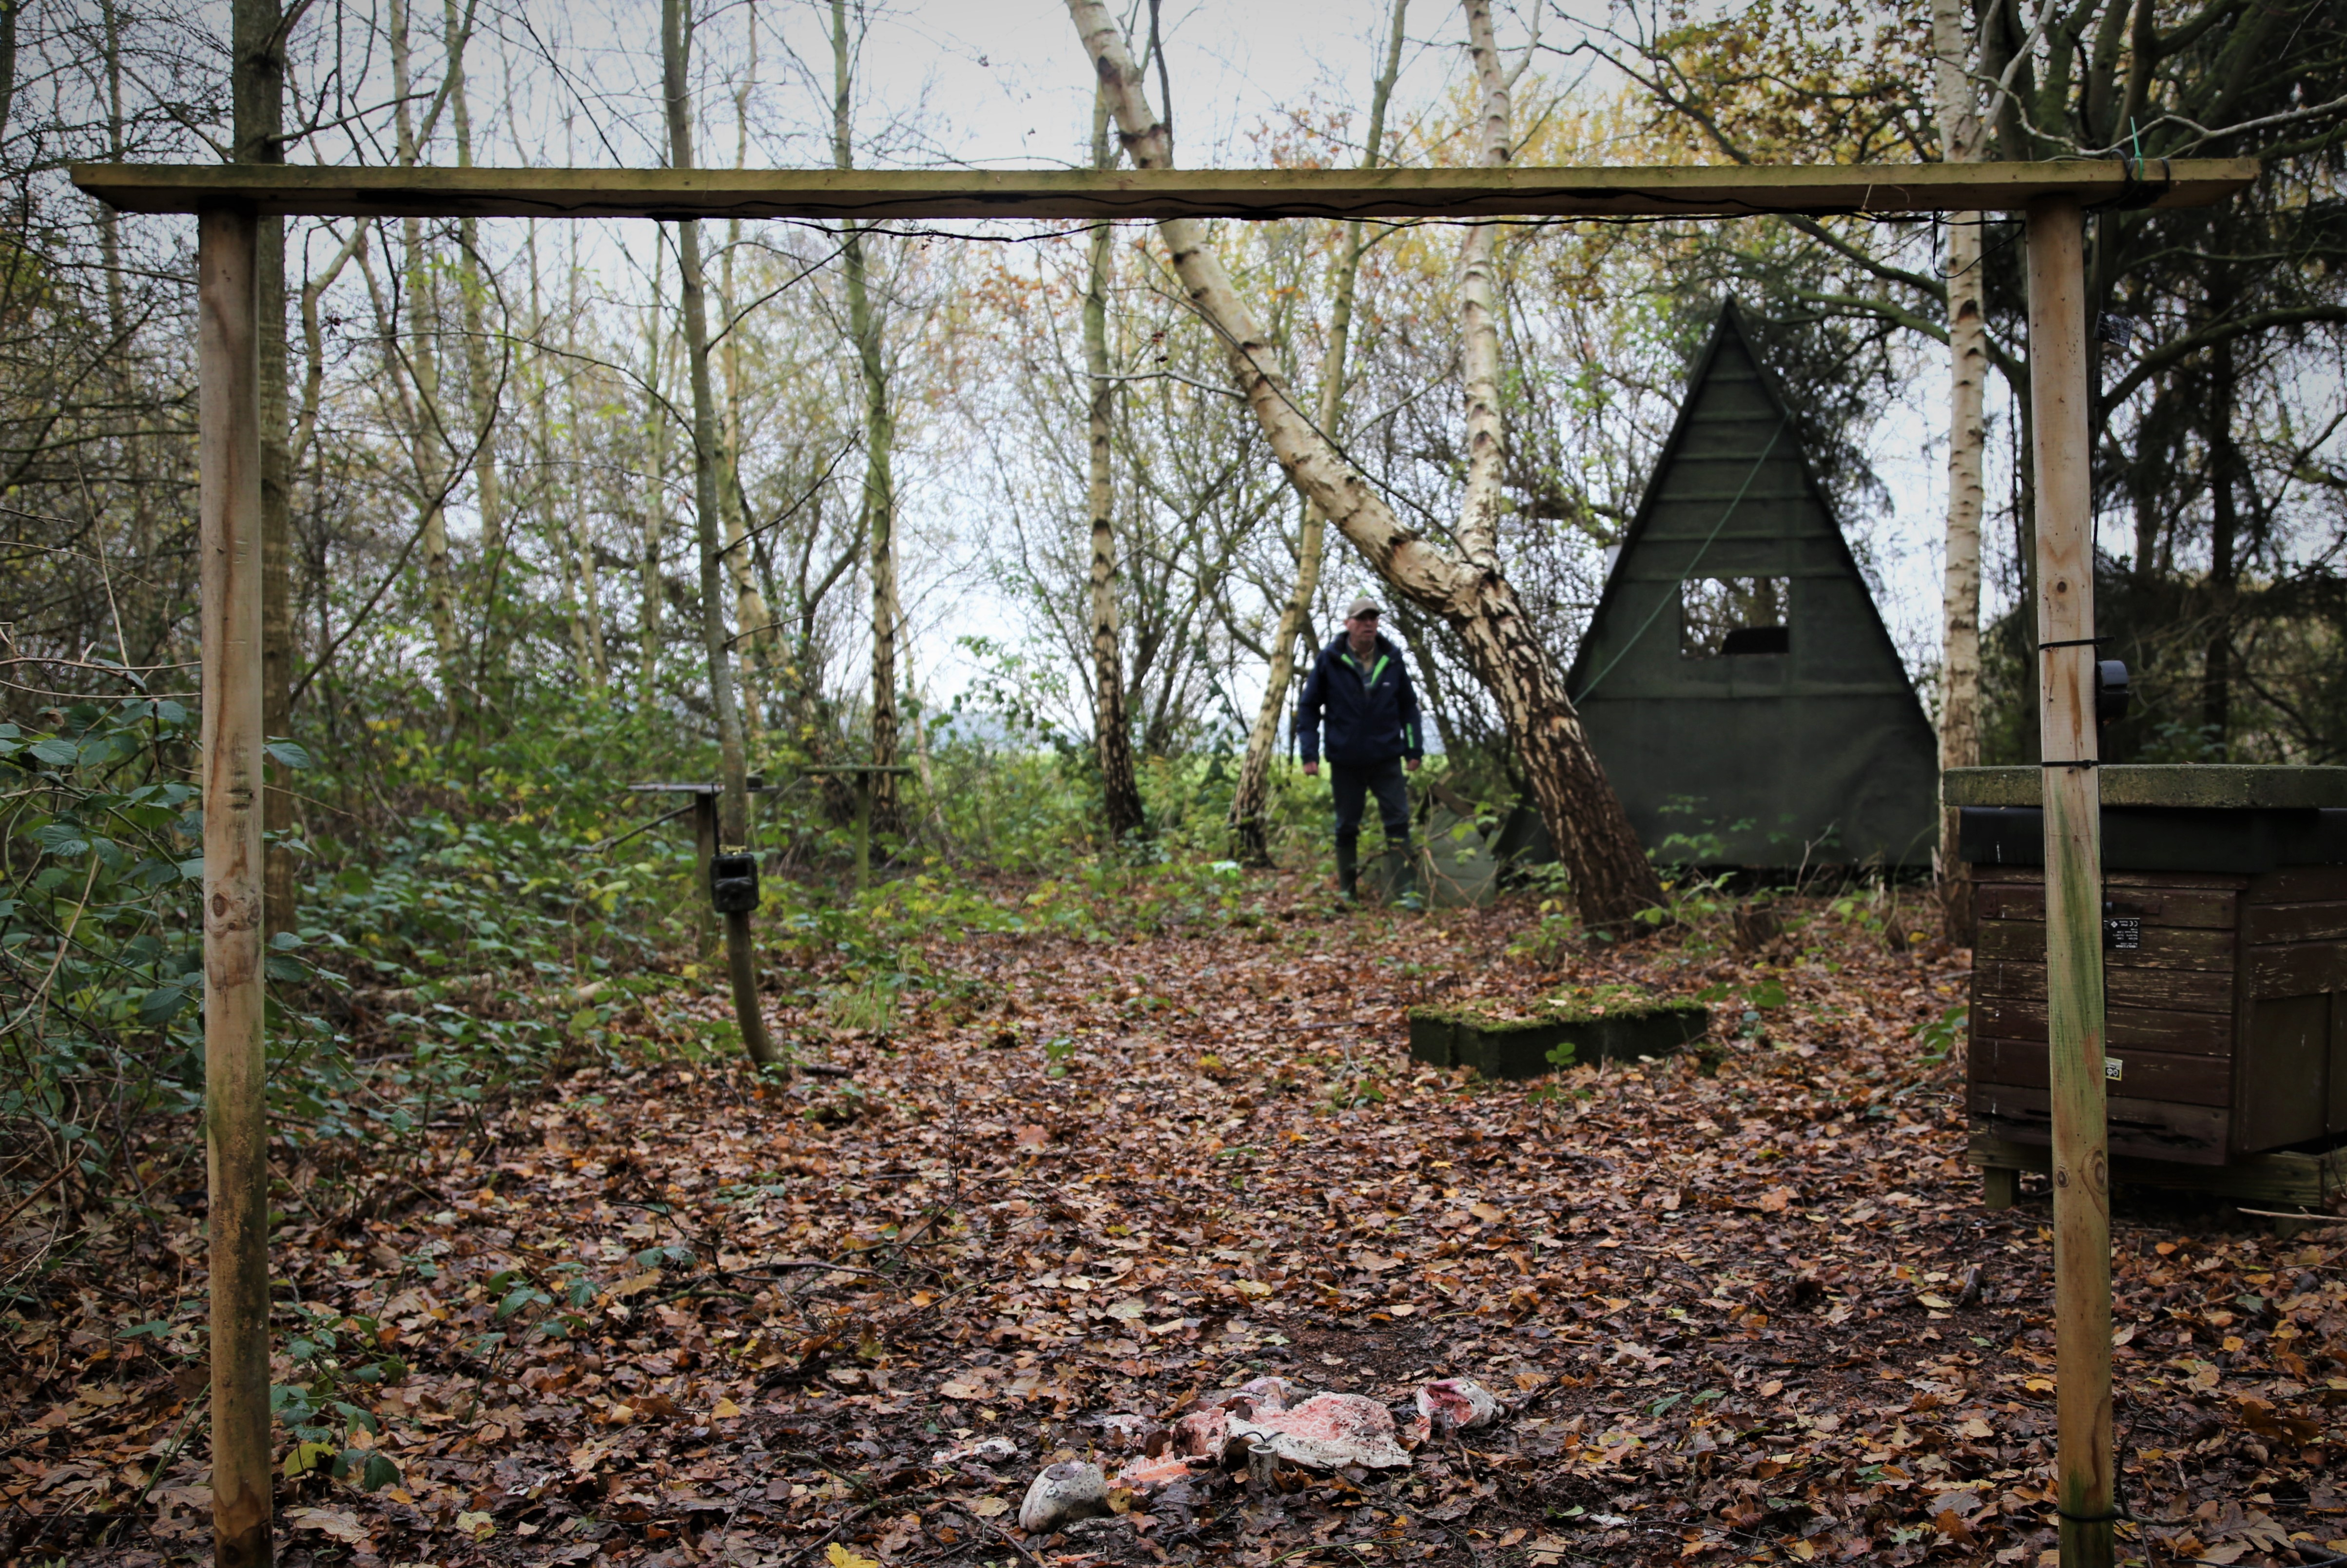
[1594, 1024]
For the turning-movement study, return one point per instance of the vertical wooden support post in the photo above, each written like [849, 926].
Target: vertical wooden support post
[2073, 925]
[236, 1114]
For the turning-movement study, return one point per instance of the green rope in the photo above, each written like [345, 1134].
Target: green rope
[1643, 626]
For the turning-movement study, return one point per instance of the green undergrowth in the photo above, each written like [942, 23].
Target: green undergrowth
[476, 918]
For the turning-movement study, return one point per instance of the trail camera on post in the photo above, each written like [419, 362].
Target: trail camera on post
[1735, 680]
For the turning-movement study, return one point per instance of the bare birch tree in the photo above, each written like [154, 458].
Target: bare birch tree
[650, 592]
[732, 756]
[1612, 879]
[482, 378]
[575, 557]
[750, 610]
[1251, 801]
[427, 432]
[867, 332]
[1112, 730]
[1960, 139]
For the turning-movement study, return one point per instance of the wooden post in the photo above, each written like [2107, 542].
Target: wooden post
[2073, 925]
[236, 1114]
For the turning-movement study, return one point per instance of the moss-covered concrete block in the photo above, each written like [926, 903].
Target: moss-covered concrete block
[1497, 1045]
[1430, 1036]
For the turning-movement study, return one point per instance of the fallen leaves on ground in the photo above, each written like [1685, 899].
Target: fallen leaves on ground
[664, 1316]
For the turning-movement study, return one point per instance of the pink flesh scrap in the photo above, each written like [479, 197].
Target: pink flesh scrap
[1455, 1404]
[1148, 1474]
[1329, 1431]
[1202, 1434]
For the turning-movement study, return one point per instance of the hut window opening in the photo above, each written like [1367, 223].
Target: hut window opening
[1727, 616]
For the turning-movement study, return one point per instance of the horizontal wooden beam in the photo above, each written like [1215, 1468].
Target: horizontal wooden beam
[1709, 191]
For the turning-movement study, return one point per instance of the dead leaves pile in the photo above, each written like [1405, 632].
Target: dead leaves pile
[659, 1317]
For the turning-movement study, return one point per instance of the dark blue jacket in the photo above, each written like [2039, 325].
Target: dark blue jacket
[1372, 714]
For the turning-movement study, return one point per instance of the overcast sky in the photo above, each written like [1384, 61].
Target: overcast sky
[1006, 85]
[991, 84]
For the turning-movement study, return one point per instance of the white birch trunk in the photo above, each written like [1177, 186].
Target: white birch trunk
[1960, 125]
[1612, 879]
[480, 377]
[427, 436]
[655, 521]
[751, 612]
[1120, 792]
[880, 443]
[581, 542]
[1479, 309]
[733, 754]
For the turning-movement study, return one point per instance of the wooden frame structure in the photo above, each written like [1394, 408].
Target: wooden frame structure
[1726, 191]
[2055, 198]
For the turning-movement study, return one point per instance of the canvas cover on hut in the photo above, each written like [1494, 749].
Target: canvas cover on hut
[1458, 865]
[1736, 681]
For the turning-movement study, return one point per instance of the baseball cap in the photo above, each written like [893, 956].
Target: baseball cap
[1362, 606]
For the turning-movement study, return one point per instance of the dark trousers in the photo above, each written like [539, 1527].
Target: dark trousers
[1351, 783]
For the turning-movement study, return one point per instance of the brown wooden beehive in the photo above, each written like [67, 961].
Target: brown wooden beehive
[2225, 961]
[2226, 1027]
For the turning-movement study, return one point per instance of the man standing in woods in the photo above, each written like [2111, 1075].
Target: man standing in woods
[1361, 685]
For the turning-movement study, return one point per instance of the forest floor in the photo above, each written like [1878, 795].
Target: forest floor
[661, 1315]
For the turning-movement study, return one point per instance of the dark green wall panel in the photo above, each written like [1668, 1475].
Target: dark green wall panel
[1821, 753]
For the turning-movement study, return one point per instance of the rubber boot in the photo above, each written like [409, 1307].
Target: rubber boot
[1349, 872]
[1406, 894]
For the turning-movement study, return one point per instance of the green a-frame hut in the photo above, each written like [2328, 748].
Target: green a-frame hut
[1735, 680]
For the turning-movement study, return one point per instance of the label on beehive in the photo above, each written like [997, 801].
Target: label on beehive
[2123, 933]
[2114, 1069]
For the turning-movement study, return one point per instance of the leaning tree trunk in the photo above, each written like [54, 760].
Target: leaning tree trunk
[1121, 795]
[1251, 802]
[733, 759]
[1612, 879]
[1960, 129]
